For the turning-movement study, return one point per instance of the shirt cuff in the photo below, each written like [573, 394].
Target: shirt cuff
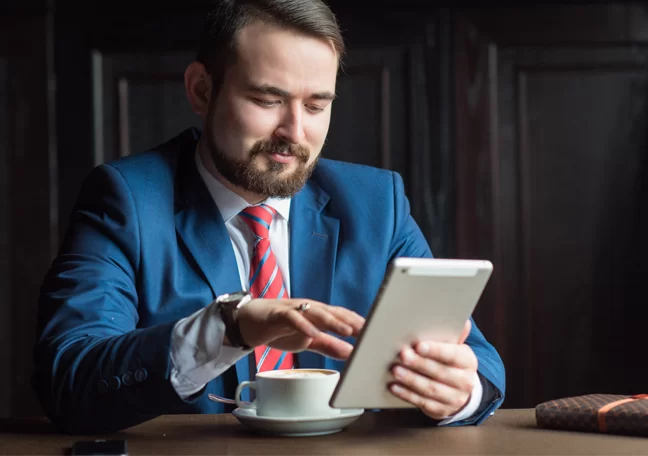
[197, 351]
[471, 407]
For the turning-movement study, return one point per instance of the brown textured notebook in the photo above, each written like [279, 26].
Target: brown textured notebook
[609, 413]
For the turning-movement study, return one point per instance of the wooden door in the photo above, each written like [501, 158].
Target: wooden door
[552, 114]
[28, 210]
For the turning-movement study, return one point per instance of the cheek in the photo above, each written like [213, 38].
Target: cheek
[317, 130]
[252, 121]
[239, 125]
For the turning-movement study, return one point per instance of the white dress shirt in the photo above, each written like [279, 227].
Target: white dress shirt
[197, 352]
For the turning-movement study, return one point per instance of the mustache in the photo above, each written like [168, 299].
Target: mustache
[279, 147]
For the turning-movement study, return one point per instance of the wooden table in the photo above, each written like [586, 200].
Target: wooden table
[385, 433]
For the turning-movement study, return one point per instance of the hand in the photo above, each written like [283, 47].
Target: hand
[436, 377]
[278, 324]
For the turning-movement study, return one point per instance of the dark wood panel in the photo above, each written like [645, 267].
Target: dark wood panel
[151, 111]
[30, 187]
[578, 189]
[557, 146]
[476, 158]
[23, 8]
[5, 257]
[507, 233]
[148, 31]
[74, 130]
[430, 180]
[570, 123]
[367, 115]
[139, 101]
[631, 300]
[560, 25]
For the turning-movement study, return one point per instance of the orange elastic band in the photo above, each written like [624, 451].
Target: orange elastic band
[603, 410]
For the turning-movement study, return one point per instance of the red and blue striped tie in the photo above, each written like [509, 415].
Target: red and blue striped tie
[265, 280]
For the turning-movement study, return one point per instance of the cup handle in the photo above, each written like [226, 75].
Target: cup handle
[239, 390]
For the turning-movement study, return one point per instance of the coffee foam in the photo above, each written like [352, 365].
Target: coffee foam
[297, 373]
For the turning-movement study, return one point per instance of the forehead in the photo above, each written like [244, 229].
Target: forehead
[286, 59]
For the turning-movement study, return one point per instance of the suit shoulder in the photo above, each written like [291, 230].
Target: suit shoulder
[153, 162]
[352, 173]
[159, 163]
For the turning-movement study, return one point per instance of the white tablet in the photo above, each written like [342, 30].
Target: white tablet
[420, 299]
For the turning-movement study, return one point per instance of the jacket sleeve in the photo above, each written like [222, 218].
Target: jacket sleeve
[94, 370]
[408, 241]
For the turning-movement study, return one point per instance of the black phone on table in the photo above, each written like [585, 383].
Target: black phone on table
[100, 448]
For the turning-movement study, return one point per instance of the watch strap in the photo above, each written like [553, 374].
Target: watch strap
[232, 330]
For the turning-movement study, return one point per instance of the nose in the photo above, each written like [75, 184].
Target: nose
[291, 127]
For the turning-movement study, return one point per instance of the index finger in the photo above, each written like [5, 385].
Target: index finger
[349, 317]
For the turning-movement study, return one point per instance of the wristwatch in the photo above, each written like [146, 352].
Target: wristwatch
[228, 305]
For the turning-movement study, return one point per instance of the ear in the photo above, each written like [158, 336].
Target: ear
[198, 87]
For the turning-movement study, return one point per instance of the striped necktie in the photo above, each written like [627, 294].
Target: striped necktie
[265, 280]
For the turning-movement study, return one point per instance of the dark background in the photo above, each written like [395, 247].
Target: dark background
[520, 133]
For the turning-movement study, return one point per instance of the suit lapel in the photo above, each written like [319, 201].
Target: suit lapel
[313, 247]
[202, 229]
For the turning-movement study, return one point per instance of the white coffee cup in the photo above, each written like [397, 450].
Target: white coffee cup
[292, 393]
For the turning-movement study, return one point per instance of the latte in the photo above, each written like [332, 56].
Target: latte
[297, 373]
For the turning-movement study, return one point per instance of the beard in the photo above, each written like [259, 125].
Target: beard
[248, 174]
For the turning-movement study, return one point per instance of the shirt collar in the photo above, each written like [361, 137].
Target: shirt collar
[231, 204]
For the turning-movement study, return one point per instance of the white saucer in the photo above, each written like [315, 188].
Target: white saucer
[297, 427]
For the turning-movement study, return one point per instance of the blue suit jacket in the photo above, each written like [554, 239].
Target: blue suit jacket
[147, 246]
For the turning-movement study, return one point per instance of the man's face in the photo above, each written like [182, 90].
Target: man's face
[267, 125]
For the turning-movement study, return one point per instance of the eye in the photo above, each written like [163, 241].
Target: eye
[266, 103]
[314, 109]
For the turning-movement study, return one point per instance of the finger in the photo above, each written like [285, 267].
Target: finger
[346, 316]
[459, 378]
[301, 324]
[326, 321]
[460, 356]
[465, 333]
[331, 346]
[296, 342]
[431, 408]
[349, 317]
[429, 388]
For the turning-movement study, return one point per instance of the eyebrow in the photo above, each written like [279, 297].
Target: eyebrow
[276, 91]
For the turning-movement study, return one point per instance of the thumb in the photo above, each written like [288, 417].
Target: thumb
[464, 333]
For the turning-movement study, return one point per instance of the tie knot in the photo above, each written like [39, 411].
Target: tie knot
[259, 218]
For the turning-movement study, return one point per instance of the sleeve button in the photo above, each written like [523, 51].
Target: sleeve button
[114, 383]
[128, 379]
[141, 374]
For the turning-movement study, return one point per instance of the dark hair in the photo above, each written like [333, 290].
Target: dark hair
[217, 47]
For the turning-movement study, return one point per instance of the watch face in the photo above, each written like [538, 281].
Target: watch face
[232, 297]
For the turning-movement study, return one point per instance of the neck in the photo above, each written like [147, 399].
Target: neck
[250, 197]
